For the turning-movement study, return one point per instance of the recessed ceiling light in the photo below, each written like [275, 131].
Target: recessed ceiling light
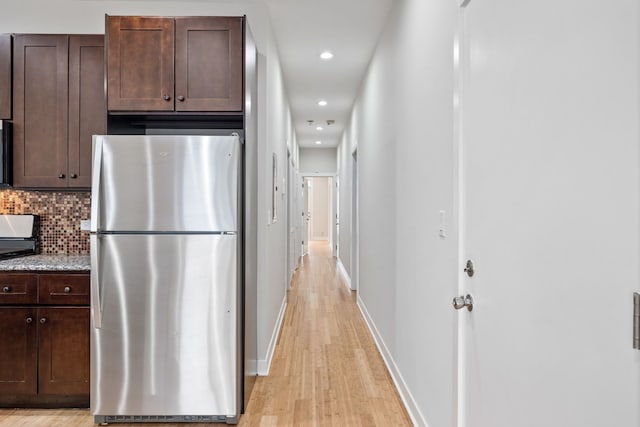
[322, 103]
[318, 142]
[319, 128]
[326, 55]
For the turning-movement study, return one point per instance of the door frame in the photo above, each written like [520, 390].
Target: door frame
[332, 196]
[355, 223]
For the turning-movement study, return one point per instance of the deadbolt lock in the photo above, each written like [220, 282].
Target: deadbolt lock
[469, 268]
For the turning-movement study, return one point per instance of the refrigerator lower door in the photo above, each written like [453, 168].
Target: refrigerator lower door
[164, 336]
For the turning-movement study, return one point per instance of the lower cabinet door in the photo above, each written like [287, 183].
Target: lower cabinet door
[18, 351]
[64, 364]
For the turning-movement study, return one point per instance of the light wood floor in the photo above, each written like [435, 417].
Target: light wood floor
[326, 369]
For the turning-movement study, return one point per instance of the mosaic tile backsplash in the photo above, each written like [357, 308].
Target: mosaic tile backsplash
[60, 215]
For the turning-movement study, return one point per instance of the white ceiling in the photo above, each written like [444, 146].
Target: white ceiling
[303, 29]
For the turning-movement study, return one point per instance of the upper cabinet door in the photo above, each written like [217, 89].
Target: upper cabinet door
[40, 94]
[140, 53]
[209, 63]
[87, 106]
[5, 76]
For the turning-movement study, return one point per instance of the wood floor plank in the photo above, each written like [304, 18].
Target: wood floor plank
[326, 369]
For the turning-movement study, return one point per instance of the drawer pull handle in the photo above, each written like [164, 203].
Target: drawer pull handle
[67, 289]
[43, 320]
[6, 289]
[29, 319]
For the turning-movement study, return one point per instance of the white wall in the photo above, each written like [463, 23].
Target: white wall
[275, 133]
[272, 241]
[318, 160]
[402, 127]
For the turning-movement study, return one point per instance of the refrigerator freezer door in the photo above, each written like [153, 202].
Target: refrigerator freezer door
[166, 183]
[167, 343]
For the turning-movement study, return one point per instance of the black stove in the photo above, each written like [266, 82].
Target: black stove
[18, 235]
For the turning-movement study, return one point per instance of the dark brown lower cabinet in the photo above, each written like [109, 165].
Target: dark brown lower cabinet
[44, 349]
[19, 351]
[63, 351]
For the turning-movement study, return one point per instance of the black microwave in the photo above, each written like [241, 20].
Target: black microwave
[6, 154]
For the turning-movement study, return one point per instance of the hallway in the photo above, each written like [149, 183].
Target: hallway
[326, 369]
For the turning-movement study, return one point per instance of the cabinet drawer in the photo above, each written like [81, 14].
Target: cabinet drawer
[18, 288]
[61, 289]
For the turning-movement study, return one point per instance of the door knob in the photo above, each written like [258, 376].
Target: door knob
[462, 302]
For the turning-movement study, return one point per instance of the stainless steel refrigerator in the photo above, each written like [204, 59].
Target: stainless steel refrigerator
[166, 294]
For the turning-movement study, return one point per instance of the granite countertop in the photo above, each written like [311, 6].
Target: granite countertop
[47, 263]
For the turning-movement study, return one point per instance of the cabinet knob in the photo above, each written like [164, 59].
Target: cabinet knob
[6, 289]
[28, 319]
[181, 98]
[61, 176]
[43, 320]
[67, 289]
[166, 98]
[74, 175]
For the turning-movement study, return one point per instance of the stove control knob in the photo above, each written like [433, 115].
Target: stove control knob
[6, 289]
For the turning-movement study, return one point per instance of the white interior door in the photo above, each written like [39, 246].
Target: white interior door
[354, 223]
[292, 219]
[549, 161]
[308, 199]
[335, 244]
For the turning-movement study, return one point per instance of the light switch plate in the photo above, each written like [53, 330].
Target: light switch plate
[85, 224]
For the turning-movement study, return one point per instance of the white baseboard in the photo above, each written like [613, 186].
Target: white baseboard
[344, 274]
[265, 364]
[410, 404]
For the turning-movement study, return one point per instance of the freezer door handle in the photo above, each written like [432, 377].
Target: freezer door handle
[96, 303]
[95, 183]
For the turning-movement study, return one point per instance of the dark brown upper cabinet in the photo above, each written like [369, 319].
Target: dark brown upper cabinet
[140, 63]
[5, 76]
[206, 54]
[59, 101]
[209, 66]
[87, 104]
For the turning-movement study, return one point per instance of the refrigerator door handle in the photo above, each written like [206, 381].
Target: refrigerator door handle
[96, 303]
[95, 183]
